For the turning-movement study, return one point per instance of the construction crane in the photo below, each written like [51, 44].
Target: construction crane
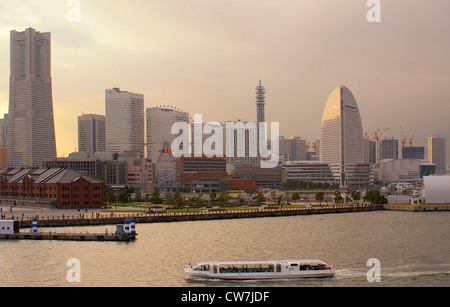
[403, 137]
[377, 134]
[411, 141]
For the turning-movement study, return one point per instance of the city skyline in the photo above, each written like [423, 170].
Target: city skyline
[207, 58]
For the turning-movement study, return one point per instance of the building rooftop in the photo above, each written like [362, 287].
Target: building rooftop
[48, 175]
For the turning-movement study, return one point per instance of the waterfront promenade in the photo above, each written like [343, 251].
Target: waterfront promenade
[97, 217]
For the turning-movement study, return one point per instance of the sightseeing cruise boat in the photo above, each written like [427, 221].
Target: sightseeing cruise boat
[252, 270]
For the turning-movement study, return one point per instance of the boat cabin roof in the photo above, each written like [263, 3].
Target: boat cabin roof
[286, 262]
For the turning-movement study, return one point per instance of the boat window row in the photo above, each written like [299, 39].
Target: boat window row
[307, 267]
[248, 268]
[204, 268]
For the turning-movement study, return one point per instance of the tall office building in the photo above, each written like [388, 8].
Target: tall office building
[124, 121]
[388, 149]
[370, 151]
[2, 135]
[91, 134]
[31, 128]
[292, 149]
[4, 131]
[437, 153]
[413, 152]
[240, 145]
[341, 136]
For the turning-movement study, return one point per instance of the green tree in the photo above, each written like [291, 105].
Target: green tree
[178, 199]
[198, 200]
[375, 197]
[128, 190]
[260, 198]
[169, 198]
[213, 195]
[156, 199]
[147, 198]
[241, 201]
[295, 196]
[290, 185]
[337, 196]
[123, 197]
[138, 196]
[319, 197]
[111, 197]
[356, 195]
[222, 198]
[279, 199]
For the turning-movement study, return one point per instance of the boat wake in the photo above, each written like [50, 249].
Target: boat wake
[405, 271]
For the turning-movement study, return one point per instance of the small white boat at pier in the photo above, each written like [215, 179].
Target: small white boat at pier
[254, 270]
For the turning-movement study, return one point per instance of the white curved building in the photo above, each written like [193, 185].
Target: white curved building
[341, 136]
[436, 189]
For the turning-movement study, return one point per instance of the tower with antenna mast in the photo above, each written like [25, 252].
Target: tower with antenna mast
[260, 108]
[260, 103]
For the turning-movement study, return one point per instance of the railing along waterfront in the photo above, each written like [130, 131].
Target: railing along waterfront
[97, 219]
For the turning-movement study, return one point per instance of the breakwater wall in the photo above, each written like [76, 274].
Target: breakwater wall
[417, 208]
[114, 219]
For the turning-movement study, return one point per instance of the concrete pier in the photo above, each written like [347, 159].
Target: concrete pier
[10, 230]
[67, 237]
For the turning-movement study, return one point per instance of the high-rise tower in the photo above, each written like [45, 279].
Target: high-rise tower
[341, 136]
[31, 128]
[437, 154]
[124, 121]
[91, 134]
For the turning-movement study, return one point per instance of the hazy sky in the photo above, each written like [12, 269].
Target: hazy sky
[207, 56]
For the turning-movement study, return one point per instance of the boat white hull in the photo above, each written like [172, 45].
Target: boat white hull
[190, 274]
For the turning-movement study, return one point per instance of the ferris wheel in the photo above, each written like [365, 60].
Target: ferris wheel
[165, 167]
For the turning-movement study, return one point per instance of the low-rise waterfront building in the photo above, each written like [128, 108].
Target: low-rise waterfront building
[201, 173]
[112, 168]
[65, 188]
[263, 177]
[312, 171]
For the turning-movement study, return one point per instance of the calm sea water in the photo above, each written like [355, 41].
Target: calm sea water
[413, 250]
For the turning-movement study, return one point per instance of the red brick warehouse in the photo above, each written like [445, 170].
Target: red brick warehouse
[67, 188]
